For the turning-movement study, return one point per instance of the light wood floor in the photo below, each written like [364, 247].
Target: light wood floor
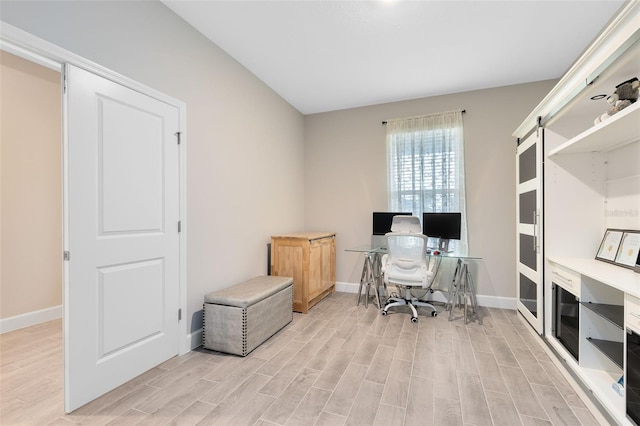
[338, 365]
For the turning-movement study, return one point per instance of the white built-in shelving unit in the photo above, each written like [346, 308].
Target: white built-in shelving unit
[592, 183]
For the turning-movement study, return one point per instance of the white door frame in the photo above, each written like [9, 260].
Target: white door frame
[42, 52]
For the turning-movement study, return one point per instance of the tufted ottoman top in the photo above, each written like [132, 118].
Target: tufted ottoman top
[249, 292]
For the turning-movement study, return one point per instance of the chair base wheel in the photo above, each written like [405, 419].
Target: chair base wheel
[384, 313]
[434, 313]
[414, 319]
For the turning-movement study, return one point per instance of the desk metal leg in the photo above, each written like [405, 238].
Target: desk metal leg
[373, 277]
[471, 290]
[364, 279]
[378, 280]
[463, 287]
[368, 280]
[464, 282]
[452, 297]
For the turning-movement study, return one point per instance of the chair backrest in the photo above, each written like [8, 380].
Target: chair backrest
[406, 224]
[406, 262]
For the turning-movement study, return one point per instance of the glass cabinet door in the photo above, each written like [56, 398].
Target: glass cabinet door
[529, 226]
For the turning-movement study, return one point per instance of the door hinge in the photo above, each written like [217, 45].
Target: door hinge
[179, 226]
[179, 314]
[178, 136]
[66, 255]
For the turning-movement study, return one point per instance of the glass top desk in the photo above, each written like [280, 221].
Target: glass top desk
[461, 292]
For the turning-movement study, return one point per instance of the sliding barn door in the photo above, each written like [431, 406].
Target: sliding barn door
[529, 247]
[121, 214]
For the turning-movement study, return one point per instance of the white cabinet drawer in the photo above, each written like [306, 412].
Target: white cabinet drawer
[566, 278]
[632, 311]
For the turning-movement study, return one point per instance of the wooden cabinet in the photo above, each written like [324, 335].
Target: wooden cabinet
[310, 259]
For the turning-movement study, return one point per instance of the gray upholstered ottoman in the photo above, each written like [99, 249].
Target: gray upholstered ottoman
[238, 319]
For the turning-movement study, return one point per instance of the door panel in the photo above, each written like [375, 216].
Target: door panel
[320, 272]
[528, 294]
[528, 204]
[139, 281]
[289, 261]
[121, 211]
[529, 254]
[130, 196]
[527, 162]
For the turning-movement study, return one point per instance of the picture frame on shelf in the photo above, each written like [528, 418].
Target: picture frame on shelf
[629, 249]
[609, 246]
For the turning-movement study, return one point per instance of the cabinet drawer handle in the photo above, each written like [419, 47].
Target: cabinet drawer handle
[635, 315]
[565, 280]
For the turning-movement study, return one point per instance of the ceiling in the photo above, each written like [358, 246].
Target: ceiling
[330, 55]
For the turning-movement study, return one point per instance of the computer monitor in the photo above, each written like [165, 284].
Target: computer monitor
[382, 225]
[444, 226]
[382, 221]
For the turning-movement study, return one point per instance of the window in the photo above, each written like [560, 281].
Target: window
[426, 166]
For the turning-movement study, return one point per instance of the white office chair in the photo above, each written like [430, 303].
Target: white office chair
[406, 266]
[406, 224]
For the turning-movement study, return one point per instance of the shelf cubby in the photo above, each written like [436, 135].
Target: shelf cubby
[609, 134]
[612, 350]
[612, 313]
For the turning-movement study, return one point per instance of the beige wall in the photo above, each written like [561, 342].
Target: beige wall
[257, 167]
[345, 177]
[245, 147]
[30, 187]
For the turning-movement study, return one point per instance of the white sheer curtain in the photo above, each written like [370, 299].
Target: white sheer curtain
[425, 157]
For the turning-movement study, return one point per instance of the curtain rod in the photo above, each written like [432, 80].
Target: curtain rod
[463, 111]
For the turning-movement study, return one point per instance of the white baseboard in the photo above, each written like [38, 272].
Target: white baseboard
[497, 302]
[347, 287]
[30, 318]
[194, 339]
[483, 300]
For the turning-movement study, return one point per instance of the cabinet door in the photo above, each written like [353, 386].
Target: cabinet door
[321, 266]
[287, 260]
[529, 253]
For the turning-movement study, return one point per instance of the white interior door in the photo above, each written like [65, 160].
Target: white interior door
[121, 198]
[529, 247]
